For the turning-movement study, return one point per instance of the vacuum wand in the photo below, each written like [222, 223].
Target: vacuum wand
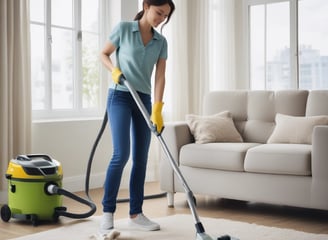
[200, 231]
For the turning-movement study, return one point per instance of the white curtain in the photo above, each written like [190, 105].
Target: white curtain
[222, 39]
[198, 53]
[177, 75]
[15, 92]
[201, 38]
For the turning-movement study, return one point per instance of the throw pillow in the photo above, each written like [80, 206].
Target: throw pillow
[214, 128]
[292, 129]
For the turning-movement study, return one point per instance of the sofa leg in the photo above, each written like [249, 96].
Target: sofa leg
[170, 199]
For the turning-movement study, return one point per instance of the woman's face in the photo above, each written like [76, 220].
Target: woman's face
[157, 14]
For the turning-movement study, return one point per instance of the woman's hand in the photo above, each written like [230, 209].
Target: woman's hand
[156, 116]
[117, 75]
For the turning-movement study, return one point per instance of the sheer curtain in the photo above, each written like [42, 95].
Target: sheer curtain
[15, 93]
[222, 39]
[201, 38]
[176, 97]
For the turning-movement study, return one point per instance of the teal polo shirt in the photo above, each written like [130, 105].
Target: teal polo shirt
[135, 60]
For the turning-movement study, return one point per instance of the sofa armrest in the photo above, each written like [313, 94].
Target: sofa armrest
[320, 153]
[319, 164]
[175, 135]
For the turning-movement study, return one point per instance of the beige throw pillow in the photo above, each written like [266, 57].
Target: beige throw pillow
[298, 130]
[214, 128]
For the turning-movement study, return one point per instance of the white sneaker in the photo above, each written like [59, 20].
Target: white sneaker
[141, 222]
[107, 222]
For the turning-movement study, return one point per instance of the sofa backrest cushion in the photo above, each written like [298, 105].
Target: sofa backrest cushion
[254, 111]
[233, 101]
[260, 116]
[317, 103]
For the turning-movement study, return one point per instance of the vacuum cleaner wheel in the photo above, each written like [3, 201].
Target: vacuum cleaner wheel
[5, 213]
[34, 219]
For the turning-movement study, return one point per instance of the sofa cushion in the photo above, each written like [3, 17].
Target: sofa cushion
[221, 156]
[214, 128]
[314, 105]
[291, 129]
[291, 102]
[260, 116]
[290, 159]
[235, 101]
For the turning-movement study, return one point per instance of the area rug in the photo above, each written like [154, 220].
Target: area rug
[177, 227]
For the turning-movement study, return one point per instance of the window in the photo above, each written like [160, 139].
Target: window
[65, 45]
[313, 48]
[287, 44]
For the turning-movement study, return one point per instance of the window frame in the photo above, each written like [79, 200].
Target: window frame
[77, 111]
[294, 51]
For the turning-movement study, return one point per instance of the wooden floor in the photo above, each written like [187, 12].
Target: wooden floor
[307, 220]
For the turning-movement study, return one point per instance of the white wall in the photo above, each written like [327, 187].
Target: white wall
[70, 143]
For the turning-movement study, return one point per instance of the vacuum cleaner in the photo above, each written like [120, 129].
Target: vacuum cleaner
[200, 231]
[35, 191]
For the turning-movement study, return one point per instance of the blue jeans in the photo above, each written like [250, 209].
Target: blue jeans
[124, 118]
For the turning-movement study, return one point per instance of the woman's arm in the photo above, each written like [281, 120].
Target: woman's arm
[156, 114]
[159, 80]
[105, 56]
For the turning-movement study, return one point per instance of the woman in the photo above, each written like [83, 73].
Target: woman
[139, 47]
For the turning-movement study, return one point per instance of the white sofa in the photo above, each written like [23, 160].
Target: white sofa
[280, 172]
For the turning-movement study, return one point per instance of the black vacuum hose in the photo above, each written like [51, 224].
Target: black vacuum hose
[54, 189]
[92, 153]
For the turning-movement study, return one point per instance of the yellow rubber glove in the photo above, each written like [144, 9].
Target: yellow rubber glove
[116, 75]
[156, 116]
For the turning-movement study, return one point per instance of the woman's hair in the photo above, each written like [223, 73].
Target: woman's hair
[156, 3]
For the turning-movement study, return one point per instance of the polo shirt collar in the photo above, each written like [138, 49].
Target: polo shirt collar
[135, 28]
